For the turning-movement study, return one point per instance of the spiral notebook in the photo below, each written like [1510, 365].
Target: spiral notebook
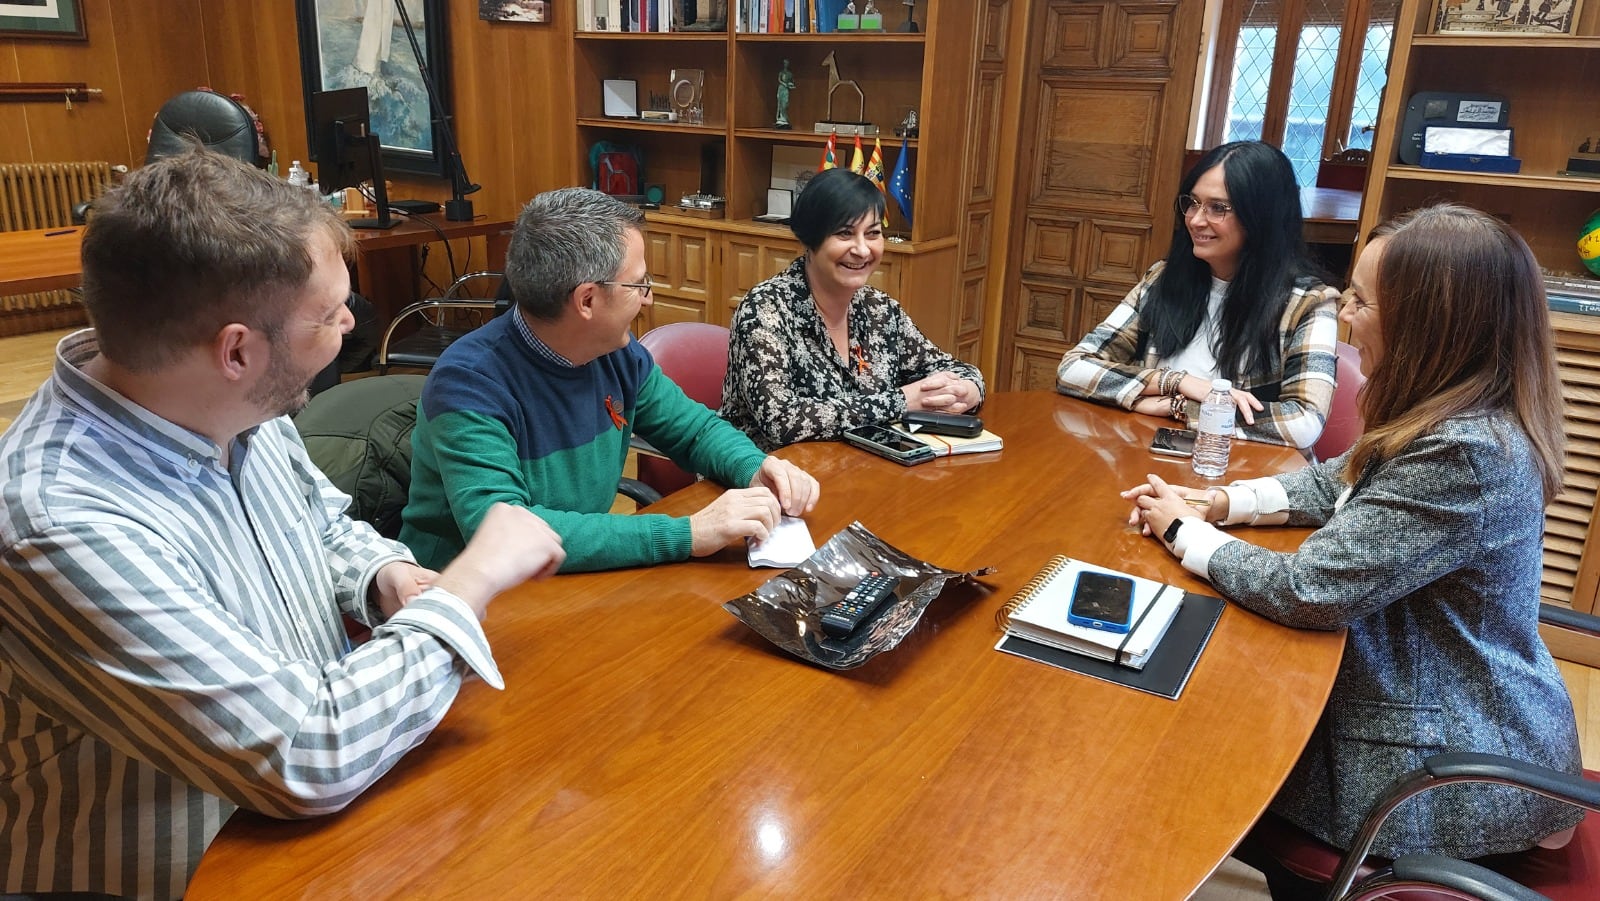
[1157, 655]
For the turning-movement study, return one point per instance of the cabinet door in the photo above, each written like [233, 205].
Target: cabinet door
[679, 261]
[747, 262]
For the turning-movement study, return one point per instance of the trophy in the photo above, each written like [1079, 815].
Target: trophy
[785, 85]
[833, 125]
[849, 20]
[871, 19]
[911, 16]
[687, 91]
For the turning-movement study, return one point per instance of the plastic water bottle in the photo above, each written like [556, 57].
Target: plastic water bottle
[298, 176]
[1215, 435]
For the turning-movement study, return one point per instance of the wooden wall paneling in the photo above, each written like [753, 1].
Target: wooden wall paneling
[982, 173]
[114, 59]
[1099, 135]
[1108, 101]
[969, 322]
[1045, 309]
[1005, 51]
[254, 49]
[161, 52]
[1033, 364]
[945, 99]
[1052, 245]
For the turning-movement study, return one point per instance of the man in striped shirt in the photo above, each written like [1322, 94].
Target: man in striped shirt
[173, 567]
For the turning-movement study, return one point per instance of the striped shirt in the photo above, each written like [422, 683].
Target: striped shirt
[1296, 391]
[171, 647]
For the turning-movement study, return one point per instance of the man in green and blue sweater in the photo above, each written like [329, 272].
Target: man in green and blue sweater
[536, 409]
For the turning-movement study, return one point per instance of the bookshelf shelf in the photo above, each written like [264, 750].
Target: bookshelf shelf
[702, 267]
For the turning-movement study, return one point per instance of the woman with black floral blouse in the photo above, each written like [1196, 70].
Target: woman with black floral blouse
[815, 351]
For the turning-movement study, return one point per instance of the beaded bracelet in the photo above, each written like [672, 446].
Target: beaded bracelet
[1178, 407]
[1178, 376]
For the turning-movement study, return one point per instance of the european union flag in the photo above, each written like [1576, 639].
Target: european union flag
[900, 183]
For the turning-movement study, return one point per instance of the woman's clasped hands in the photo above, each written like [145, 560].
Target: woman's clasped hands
[1156, 504]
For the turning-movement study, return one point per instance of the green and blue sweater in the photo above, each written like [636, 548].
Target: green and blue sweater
[501, 419]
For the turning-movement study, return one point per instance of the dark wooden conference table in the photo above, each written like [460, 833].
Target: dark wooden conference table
[648, 744]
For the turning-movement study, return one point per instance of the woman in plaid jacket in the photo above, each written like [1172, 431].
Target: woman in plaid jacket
[1237, 298]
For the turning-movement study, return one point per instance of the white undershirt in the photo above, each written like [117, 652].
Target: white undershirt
[1197, 358]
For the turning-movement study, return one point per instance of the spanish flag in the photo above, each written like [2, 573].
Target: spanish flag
[858, 162]
[874, 170]
[829, 159]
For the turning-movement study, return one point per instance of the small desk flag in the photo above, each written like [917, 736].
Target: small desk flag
[900, 183]
[875, 165]
[829, 159]
[858, 162]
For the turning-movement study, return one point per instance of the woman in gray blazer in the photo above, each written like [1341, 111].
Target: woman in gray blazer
[1427, 549]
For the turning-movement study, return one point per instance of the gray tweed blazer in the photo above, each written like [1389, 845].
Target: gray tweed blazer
[1433, 565]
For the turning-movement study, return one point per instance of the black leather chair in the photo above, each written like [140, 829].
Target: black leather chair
[220, 122]
[440, 326]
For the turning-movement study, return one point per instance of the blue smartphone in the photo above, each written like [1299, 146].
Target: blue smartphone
[1101, 601]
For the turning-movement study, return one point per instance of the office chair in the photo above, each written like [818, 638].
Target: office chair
[1564, 874]
[220, 122]
[695, 356]
[441, 324]
[1344, 417]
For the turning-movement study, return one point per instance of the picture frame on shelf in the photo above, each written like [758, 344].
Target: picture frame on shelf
[338, 50]
[620, 97]
[1486, 17]
[43, 20]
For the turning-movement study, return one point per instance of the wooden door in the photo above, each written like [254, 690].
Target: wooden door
[1105, 115]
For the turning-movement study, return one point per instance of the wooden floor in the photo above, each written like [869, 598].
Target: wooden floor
[28, 360]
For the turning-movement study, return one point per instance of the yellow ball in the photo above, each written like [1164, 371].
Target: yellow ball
[1589, 243]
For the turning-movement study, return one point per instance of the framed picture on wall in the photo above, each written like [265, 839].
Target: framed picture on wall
[365, 43]
[51, 20]
[1519, 17]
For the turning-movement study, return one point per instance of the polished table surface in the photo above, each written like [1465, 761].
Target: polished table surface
[1330, 214]
[650, 745]
[40, 259]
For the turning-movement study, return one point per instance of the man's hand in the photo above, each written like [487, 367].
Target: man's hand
[510, 547]
[396, 584]
[740, 513]
[796, 490]
[942, 391]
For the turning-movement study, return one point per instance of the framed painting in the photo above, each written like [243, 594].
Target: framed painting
[1507, 17]
[51, 20]
[366, 43]
[514, 11]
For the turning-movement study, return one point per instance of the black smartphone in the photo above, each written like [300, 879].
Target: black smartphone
[1173, 442]
[1102, 601]
[956, 425]
[891, 443]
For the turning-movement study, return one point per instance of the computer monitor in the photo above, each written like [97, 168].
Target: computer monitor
[346, 150]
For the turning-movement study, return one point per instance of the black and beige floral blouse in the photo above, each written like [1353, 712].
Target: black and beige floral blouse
[786, 381]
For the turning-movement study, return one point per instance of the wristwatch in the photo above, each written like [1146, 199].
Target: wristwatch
[1171, 534]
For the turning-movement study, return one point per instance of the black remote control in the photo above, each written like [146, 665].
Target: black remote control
[841, 618]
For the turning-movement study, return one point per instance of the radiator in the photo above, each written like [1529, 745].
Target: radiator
[41, 195]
